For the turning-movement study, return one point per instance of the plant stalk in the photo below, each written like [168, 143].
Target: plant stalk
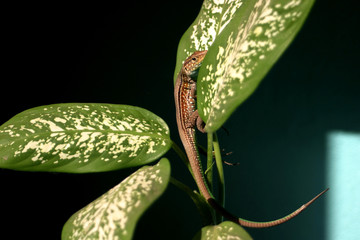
[209, 164]
[219, 166]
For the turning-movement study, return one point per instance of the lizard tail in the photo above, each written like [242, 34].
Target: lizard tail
[252, 224]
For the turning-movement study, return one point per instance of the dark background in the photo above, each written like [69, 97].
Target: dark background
[125, 54]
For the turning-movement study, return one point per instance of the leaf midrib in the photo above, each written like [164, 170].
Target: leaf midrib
[104, 132]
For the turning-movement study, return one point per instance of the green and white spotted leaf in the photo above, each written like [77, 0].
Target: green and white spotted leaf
[244, 52]
[81, 138]
[214, 16]
[114, 215]
[223, 231]
[244, 39]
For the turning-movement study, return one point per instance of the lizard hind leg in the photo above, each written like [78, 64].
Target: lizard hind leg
[195, 120]
[200, 124]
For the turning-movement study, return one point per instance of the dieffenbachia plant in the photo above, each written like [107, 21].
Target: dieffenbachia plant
[243, 38]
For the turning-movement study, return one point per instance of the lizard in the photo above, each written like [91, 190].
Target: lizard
[188, 118]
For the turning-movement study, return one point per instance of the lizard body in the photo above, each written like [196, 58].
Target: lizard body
[187, 118]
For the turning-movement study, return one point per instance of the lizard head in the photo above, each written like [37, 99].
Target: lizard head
[193, 63]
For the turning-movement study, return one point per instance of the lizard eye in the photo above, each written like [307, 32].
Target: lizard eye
[194, 59]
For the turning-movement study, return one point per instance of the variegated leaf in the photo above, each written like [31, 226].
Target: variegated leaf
[114, 215]
[214, 16]
[244, 39]
[82, 138]
[223, 231]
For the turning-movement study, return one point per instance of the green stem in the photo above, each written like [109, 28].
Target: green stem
[209, 164]
[200, 203]
[219, 165]
[182, 156]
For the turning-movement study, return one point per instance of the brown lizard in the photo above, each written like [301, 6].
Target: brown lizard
[187, 118]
